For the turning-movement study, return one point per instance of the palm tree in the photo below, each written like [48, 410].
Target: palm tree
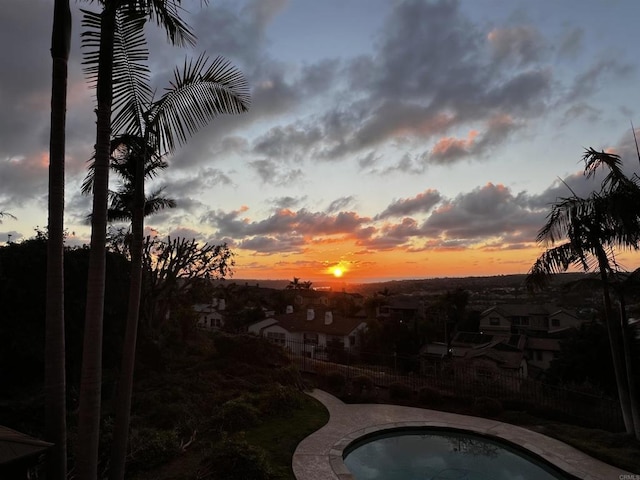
[55, 379]
[107, 60]
[198, 93]
[127, 150]
[594, 228]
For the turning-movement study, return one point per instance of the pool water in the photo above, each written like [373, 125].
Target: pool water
[443, 455]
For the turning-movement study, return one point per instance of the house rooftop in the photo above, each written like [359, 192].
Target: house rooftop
[526, 309]
[297, 322]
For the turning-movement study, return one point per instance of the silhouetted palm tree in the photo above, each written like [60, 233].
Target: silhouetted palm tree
[591, 229]
[200, 91]
[55, 379]
[112, 37]
[127, 151]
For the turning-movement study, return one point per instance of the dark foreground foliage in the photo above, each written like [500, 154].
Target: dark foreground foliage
[221, 407]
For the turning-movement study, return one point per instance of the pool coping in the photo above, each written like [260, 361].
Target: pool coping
[320, 455]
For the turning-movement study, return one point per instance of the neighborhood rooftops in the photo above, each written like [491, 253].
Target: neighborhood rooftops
[319, 321]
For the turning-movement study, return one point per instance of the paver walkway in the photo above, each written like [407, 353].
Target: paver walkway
[319, 456]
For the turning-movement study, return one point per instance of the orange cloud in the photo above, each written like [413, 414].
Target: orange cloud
[446, 144]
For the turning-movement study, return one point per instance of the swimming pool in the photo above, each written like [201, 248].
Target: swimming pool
[443, 454]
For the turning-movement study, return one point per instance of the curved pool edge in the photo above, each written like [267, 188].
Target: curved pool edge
[320, 455]
[338, 453]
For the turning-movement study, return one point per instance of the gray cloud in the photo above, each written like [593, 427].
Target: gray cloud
[272, 172]
[274, 245]
[595, 77]
[571, 43]
[287, 202]
[301, 222]
[520, 45]
[287, 143]
[485, 212]
[340, 204]
[423, 202]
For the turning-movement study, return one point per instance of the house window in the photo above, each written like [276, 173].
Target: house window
[277, 337]
[538, 355]
[524, 321]
[555, 322]
[494, 321]
[311, 338]
[352, 340]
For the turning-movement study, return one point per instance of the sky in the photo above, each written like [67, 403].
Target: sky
[386, 139]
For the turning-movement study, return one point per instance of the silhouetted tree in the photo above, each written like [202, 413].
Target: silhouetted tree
[590, 230]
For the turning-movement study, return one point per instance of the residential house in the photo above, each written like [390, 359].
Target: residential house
[309, 298]
[402, 308]
[479, 354]
[531, 319]
[541, 351]
[210, 315]
[311, 330]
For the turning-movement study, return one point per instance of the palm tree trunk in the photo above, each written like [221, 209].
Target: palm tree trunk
[55, 378]
[125, 383]
[91, 378]
[615, 343]
[633, 391]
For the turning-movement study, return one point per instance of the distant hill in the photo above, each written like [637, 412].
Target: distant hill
[427, 285]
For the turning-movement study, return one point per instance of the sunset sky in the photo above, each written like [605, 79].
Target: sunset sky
[388, 139]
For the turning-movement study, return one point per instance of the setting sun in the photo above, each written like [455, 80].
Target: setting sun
[337, 272]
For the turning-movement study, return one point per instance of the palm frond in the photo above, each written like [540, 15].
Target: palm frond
[125, 151]
[594, 160]
[131, 90]
[635, 139]
[90, 41]
[200, 91]
[8, 215]
[554, 260]
[559, 220]
[131, 77]
[166, 13]
[155, 202]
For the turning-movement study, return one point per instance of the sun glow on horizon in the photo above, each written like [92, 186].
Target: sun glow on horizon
[337, 272]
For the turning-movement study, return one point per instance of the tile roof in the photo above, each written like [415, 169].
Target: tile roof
[297, 322]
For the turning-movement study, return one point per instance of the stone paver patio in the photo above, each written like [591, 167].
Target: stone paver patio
[319, 456]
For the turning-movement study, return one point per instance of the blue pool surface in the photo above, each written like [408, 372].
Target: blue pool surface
[429, 454]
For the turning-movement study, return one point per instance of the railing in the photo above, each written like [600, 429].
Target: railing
[459, 381]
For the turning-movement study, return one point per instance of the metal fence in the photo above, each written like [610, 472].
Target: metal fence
[460, 382]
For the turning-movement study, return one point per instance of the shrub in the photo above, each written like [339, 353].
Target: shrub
[430, 396]
[250, 349]
[289, 375]
[362, 383]
[238, 414]
[487, 406]
[150, 447]
[278, 400]
[400, 391]
[235, 459]
[336, 381]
